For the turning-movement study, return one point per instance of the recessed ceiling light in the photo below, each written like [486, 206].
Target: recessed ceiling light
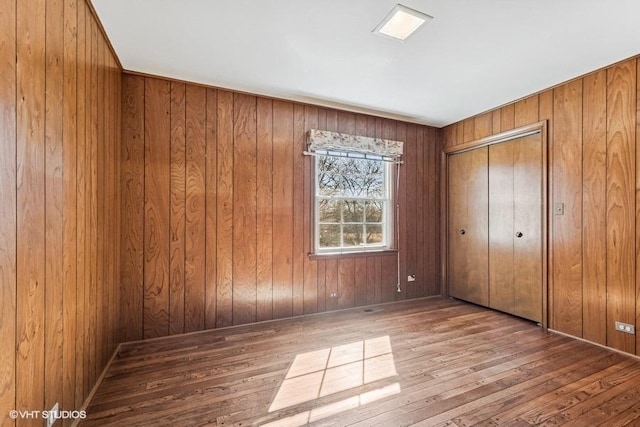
[401, 22]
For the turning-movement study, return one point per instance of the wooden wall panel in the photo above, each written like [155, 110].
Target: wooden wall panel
[593, 160]
[224, 206]
[298, 214]
[157, 145]
[30, 361]
[282, 209]
[567, 188]
[211, 226]
[258, 208]
[526, 111]
[507, 118]
[54, 200]
[264, 209]
[8, 188]
[81, 210]
[177, 209]
[195, 212]
[310, 266]
[59, 92]
[621, 154]
[132, 184]
[637, 205]
[594, 236]
[482, 125]
[244, 206]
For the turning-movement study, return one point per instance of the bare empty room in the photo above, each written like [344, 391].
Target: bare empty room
[330, 213]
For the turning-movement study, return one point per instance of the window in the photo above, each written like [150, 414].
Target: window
[352, 203]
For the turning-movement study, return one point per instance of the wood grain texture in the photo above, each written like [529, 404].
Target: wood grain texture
[496, 121]
[81, 212]
[422, 201]
[468, 130]
[157, 142]
[283, 209]
[133, 185]
[30, 181]
[482, 125]
[621, 153]
[528, 251]
[637, 205]
[264, 209]
[299, 140]
[403, 193]
[58, 99]
[195, 212]
[177, 209]
[310, 267]
[592, 166]
[435, 223]
[545, 112]
[54, 201]
[8, 186]
[244, 206]
[594, 235]
[211, 224]
[468, 220]
[567, 189]
[70, 143]
[410, 216]
[453, 364]
[258, 210]
[224, 206]
[507, 118]
[526, 111]
[502, 269]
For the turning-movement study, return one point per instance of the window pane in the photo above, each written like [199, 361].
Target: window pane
[353, 211]
[374, 233]
[374, 211]
[329, 184]
[329, 211]
[352, 202]
[353, 235]
[329, 236]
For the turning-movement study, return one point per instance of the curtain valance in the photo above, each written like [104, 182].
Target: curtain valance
[326, 142]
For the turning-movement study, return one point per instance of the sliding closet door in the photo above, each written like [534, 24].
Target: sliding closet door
[501, 227]
[527, 212]
[468, 262]
[515, 226]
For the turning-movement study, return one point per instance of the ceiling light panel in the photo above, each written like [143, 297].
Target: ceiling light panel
[401, 22]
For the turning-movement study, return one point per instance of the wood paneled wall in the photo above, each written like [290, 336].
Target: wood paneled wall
[217, 215]
[595, 171]
[59, 209]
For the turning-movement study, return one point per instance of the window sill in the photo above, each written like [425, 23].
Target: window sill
[342, 255]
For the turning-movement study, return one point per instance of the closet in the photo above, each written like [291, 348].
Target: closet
[495, 232]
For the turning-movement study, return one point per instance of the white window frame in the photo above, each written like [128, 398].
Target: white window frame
[388, 211]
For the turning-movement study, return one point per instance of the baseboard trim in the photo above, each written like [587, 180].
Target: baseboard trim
[594, 343]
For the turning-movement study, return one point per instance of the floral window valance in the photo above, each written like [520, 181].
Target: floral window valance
[334, 143]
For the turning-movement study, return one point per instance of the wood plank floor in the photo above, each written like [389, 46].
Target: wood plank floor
[430, 362]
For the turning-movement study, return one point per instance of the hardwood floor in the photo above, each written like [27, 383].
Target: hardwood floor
[430, 362]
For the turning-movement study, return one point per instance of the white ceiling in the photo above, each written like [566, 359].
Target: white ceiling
[473, 56]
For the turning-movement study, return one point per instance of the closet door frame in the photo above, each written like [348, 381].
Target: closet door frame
[540, 127]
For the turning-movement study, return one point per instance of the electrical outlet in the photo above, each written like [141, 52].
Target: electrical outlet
[411, 278]
[51, 416]
[333, 295]
[626, 328]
